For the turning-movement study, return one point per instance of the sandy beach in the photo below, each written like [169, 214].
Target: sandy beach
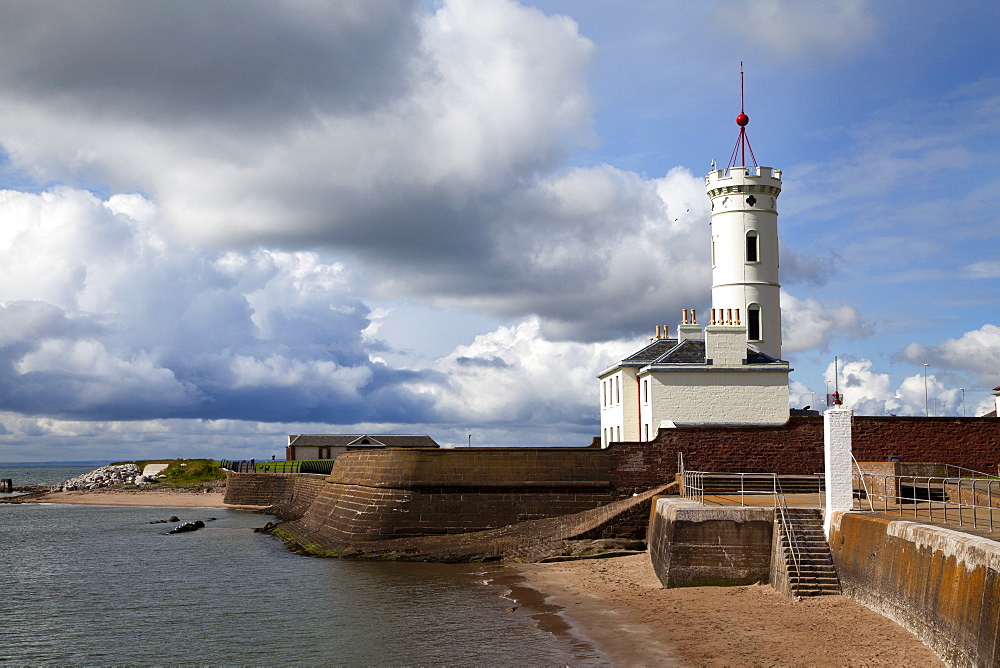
[163, 498]
[619, 605]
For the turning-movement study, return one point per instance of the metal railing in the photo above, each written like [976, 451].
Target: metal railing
[749, 483]
[320, 466]
[786, 525]
[967, 473]
[936, 498]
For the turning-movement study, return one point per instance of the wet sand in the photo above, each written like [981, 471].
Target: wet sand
[156, 498]
[620, 607]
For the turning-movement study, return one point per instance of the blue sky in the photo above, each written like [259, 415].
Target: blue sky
[222, 224]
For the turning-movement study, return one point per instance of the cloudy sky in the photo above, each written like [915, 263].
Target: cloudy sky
[221, 223]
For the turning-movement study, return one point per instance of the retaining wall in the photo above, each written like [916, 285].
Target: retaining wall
[941, 584]
[691, 545]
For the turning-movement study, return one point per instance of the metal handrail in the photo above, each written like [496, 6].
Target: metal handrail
[864, 484]
[786, 524]
[978, 474]
[694, 489]
[891, 489]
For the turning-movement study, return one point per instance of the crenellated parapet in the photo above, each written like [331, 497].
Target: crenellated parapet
[742, 180]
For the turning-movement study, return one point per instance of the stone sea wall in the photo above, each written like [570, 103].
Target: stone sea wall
[289, 494]
[396, 493]
[941, 584]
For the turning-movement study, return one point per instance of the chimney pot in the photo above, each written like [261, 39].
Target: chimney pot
[694, 317]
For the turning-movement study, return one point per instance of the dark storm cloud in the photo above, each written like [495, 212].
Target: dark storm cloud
[171, 61]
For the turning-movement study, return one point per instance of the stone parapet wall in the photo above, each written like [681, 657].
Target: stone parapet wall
[488, 467]
[941, 584]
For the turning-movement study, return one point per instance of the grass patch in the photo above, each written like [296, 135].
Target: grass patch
[192, 471]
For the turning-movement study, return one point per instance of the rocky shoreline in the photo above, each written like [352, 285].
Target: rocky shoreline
[121, 484]
[105, 476]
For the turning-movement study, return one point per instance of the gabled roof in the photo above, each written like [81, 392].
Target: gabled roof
[651, 352]
[364, 440]
[692, 351]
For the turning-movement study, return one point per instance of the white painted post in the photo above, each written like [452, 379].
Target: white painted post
[838, 468]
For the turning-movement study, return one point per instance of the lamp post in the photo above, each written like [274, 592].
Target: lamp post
[962, 390]
[927, 412]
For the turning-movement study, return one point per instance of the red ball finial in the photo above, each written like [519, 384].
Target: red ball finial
[742, 120]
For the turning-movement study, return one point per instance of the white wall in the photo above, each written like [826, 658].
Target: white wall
[741, 395]
[620, 406]
[736, 282]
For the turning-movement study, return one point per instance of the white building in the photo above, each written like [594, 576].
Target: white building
[730, 371]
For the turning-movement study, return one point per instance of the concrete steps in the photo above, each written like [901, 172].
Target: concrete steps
[810, 567]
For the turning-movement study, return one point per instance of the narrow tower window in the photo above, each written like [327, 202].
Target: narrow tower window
[753, 322]
[753, 247]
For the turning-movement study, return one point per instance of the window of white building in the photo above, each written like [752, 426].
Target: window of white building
[753, 322]
[753, 246]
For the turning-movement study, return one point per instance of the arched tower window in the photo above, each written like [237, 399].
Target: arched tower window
[753, 322]
[753, 246]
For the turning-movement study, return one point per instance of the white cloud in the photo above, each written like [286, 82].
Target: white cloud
[977, 351]
[515, 374]
[868, 392]
[807, 324]
[982, 269]
[800, 28]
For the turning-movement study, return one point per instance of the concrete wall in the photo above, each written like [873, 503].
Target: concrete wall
[691, 545]
[941, 584]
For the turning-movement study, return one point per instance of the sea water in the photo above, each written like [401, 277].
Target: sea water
[26, 476]
[100, 585]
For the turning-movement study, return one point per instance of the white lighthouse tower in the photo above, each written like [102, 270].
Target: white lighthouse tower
[745, 289]
[729, 372]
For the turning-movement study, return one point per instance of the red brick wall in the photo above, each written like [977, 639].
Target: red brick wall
[797, 447]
